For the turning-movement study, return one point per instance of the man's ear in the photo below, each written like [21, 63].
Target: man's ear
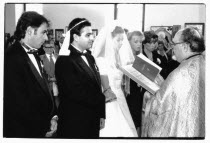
[186, 47]
[76, 37]
[29, 31]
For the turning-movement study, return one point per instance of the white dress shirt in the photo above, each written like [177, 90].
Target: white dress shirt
[32, 58]
[48, 57]
[83, 57]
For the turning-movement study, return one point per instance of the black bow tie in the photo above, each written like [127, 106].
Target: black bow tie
[82, 53]
[32, 51]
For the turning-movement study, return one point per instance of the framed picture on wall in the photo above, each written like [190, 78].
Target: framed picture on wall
[58, 34]
[175, 28]
[164, 32]
[50, 34]
[199, 26]
[95, 32]
[161, 28]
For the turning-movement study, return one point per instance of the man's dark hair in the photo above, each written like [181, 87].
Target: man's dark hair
[148, 36]
[75, 27]
[194, 39]
[29, 18]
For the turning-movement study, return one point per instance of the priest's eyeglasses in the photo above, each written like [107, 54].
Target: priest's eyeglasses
[174, 44]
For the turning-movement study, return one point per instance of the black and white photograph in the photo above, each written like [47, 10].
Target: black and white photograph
[77, 71]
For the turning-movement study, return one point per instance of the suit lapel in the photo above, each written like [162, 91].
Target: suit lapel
[33, 69]
[37, 75]
[81, 63]
[94, 69]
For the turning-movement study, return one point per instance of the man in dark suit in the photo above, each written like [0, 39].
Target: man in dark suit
[82, 104]
[28, 104]
[48, 60]
[58, 44]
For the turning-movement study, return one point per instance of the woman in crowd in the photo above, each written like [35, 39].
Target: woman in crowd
[111, 49]
[162, 58]
[134, 96]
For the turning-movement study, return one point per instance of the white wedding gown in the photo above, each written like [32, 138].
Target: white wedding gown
[118, 122]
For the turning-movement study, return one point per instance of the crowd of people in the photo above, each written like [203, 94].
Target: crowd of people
[73, 88]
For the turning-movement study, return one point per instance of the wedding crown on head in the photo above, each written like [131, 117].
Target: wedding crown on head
[77, 24]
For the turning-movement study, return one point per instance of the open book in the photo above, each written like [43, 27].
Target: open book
[143, 71]
[146, 67]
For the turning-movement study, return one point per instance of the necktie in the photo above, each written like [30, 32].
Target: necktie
[52, 66]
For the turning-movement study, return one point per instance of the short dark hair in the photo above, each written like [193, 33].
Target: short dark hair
[76, 29]
[134, 33]
[117, 30]
[148, 36]
[161, 42]
[29, 18]
[155, 36]
[191, 36]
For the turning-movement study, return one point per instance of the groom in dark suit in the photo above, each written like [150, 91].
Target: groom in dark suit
[28, 104]
[82, 104]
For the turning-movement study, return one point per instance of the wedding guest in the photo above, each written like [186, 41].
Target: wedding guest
[58, 44]
[28, 104]
[82, 104]
[48, 60]
[162, 58]
[148, 49]
[134, 91]
[178, 108]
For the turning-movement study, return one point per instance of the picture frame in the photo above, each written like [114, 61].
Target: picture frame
[175, 29]
[95, 32]
[199, 26]
[158, 28]
[50, 33]
[58, 34]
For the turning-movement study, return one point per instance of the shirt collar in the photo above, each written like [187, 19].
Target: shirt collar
[28, 47]
[79, 49]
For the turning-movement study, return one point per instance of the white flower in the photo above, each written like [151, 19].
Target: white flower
[159, 61]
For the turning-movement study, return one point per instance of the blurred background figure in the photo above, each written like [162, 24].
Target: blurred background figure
[162, 58]
[133, 91]
[9, 40]
[58, 44]
[49, 59]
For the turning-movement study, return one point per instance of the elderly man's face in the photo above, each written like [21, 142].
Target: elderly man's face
[178, 47]
[48, 48]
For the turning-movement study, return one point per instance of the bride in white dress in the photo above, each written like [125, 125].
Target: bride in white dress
[111, 49]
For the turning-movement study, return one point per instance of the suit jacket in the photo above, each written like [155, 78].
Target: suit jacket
[50, 73]
[46, 62]
[28, 103]
[82, 103]
[57, 47]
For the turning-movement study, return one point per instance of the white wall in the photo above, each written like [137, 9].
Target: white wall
[60, 15]
[173, 14]
[10, 18]
[155, 15]
[130, 15]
